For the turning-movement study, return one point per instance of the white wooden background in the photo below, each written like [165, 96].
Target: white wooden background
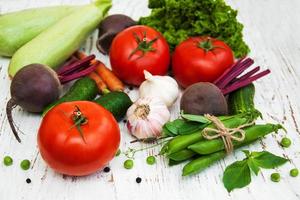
[272, 29]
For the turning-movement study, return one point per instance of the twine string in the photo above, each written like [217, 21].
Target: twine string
[228, 135]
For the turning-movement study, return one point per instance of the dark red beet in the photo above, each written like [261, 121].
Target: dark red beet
[203, 98]
[33, 88]
[109, 28]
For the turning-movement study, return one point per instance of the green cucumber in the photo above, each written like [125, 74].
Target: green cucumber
[56, 44]
[242, 101]
[83, 89]
[18, 28]
[116, 102]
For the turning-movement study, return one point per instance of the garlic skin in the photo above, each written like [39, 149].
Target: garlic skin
[146, 117]
[163, 87]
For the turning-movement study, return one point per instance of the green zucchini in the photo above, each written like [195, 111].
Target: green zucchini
[18, 28]
[116, 102]
[242, 101]
[83, 89]
[56, 44]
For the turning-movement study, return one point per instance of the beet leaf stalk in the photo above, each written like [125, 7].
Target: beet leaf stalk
[232, 79]
[75, 68]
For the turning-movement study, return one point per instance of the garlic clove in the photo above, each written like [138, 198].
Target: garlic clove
[146, 117]
[163, 87]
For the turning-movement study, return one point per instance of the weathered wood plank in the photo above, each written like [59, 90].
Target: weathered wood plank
[271, 30]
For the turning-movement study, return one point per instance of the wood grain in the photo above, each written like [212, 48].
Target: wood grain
[271, 29]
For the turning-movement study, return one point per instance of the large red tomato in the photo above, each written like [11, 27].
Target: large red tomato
[78, 138]
[200, 59]
[136, 49]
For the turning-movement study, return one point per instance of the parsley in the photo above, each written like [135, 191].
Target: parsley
[179, 19]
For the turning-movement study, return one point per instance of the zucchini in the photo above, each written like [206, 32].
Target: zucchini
[56, 44]
[116, 102]
[83, 89]
[18, 28]
[242, 101]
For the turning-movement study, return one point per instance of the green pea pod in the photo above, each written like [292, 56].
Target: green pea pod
[57, 43]
[251, 134]
[182, 155]
[18, 28]
[183, 141]
[173, 162]
[201, 163]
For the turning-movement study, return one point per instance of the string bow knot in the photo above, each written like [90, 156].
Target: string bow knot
[228, 135]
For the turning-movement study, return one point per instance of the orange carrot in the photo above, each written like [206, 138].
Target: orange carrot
[112, 81]
[100, 83]
[109, 78]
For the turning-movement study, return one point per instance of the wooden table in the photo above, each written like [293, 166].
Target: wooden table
[272, 29]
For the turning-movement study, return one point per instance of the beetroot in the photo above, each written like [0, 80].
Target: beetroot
[109, 28]
[33, 88]
[36, 86]
[203, 98]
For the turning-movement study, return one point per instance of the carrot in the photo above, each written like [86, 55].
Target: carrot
[100, 83]
[109, 78]
[112, 81]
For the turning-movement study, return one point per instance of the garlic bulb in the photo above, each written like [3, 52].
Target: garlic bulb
[146, 117]
[163, 87]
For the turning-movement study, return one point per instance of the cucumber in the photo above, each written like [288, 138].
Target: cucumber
[83, 89]
[242, 101]
[56, 44]
[116, 102]
[18, 28]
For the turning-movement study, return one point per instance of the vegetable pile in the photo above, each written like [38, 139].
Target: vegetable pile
[79, 133]
[179, 19]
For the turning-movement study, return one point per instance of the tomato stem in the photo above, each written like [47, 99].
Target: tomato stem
[207, 45]
[79, 119]
[143, 45]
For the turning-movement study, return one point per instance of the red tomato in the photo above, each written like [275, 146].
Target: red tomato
[66, 150]
[136, 49]
[200, 59]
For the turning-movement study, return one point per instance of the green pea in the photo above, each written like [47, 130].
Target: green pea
[294, 172]
[285, 142]
[7, 160]
[150, 160]
[25, 164]
[128, 164]
[118, 152]
[275, 177]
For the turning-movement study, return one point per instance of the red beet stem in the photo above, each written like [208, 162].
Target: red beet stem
[244, 83]
[70, 61]
[68, 69]
[223, 76]
[79, 74]
[11, 104]
[235, 73]
[248, 74]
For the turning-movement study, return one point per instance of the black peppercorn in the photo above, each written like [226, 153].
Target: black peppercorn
[28, 180]
[138, 179]
[106, 169]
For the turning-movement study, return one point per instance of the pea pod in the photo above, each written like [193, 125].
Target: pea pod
[183, 141]
[56, 44]
[83, 89]
[251, 134]
[182, 155]
[18, 28]
[201, 163]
